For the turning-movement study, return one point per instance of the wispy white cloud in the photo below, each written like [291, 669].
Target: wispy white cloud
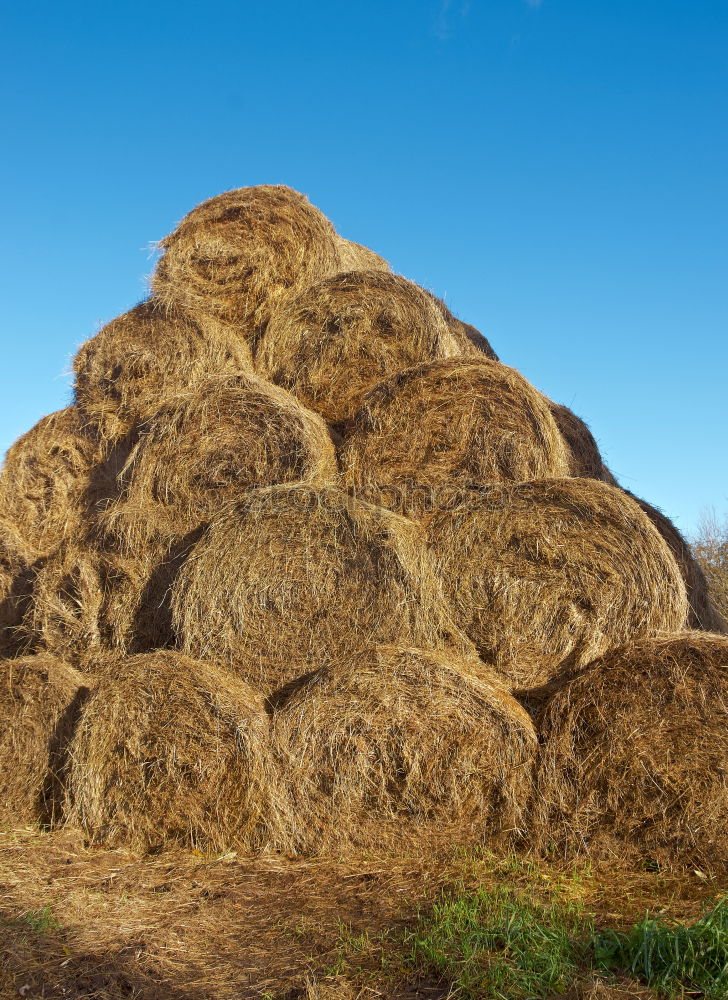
[534, 3]
[442, 25]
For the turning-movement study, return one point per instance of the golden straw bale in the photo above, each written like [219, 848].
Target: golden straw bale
[340, 338]
[40, 698]
[237, 256]
[205, 448]
[16, 576]
[355, 257]
[545, 576]
[471, 341]
[585, 459]
[390, 740]
[46, 475]
[295, 578]
[635, 753]
[428, 431]
[702, 615]
[172, 750]
[137, 361]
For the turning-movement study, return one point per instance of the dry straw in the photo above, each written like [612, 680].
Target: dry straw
[171, 750]
[16, 577]
[339, 339]
[295, 578]
[204, 449]
[392, 740]
[237, 256]
[137, 361]
[355, 257]
[471, 341]
[545, 576]
[40, 698]
[585, 459]
[428, 431]
[635, 752]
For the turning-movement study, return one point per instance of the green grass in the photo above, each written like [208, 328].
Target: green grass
[41, 921]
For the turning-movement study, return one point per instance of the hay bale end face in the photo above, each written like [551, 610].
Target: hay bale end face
[205, 449]
[545, 576]
[355, 257]
[342, 337]
[635, 752]
[425, 433]
[471, 341]
[295, 578]
[585, 459]
[238, 256]
[40, 699]
[391, 742]
[170, 750]
[126, 372]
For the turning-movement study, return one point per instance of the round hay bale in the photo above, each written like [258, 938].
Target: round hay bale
[585, 459]
[205, 449]
[545, 576]
[16, 576]
[140, 359]
[392, 740]
[46, 476]
[340, 338]
[471, 341]
[635, 754]
[702, 614]
[237, 256]
[295, 578]
[40, 699]
[355, 257]
[426, 432]
[171, 750]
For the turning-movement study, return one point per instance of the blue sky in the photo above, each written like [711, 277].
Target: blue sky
[558, 170]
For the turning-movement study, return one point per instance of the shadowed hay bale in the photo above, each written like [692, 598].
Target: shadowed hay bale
[471, 341]
[636, 753]
[355, 257]
[339, 339]
[40, 697]
[238, 255]
[295, 578]
[16, 560]
[702, 615]
[585, 459]
[546, 576]
[172, 750]
[205, 449]
[137, 361]
[391, 740]
[46, 474]
[426, 432]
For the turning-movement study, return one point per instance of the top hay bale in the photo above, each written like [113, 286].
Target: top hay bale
[425, 433]
[237, 256]
[340, 338]
[545, 576]
[126, 372]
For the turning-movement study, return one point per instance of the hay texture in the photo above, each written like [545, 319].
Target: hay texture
[205, 449]
[238, 256]
[702, 613]
[355, 257]
[16, 575]
[295, 578]
[140, 359]
[471, 341]
[585, 459]
[40, 698]
[170, 750]
[392, 740]
[545, 576]
[339, 339]
[425, 433]
[46, 477]
[635, 752]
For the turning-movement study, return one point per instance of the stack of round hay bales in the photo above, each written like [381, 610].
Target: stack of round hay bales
[291, 568]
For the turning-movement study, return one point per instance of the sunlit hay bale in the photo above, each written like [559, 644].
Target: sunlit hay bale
[585, 459]
[237, 256]
[205, 449]
[355, 257]
[392, 740]
[545, 576]
[171, 750]
[295, 578]
[340, 338]
[470, 340]
[702, 614]
[635, 754]
[46, 475]
[40, 697]
[16, 576]
[425, 433]
[140, 359]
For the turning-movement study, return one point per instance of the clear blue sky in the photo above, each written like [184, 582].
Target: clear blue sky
[557, 169]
